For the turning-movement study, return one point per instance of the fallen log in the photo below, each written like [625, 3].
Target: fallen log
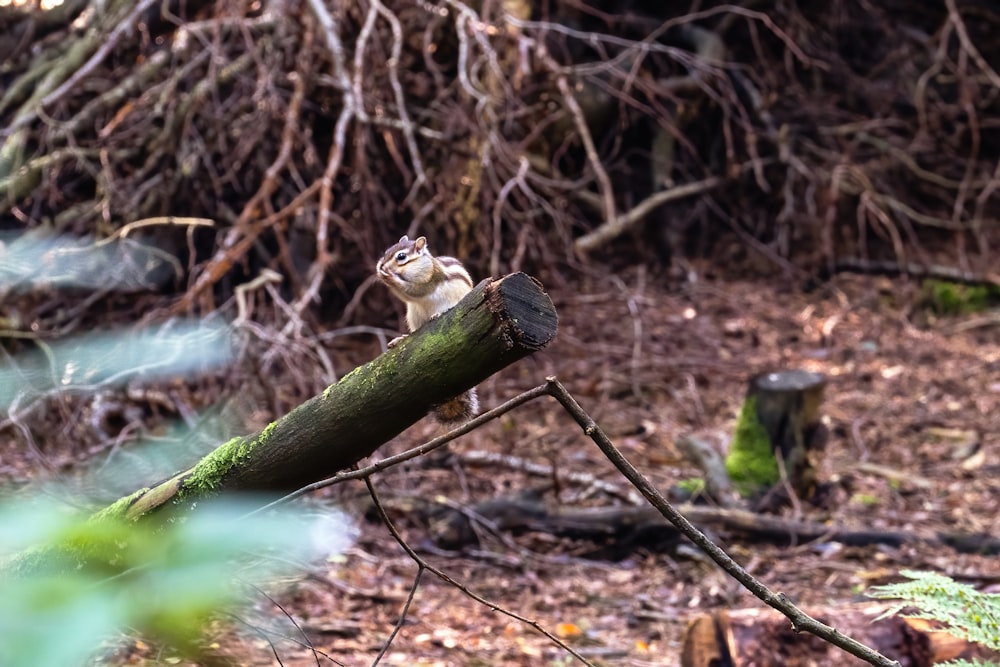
[622, 528]
[498, 323]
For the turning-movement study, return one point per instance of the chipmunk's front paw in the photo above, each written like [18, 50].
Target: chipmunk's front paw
[395, 341]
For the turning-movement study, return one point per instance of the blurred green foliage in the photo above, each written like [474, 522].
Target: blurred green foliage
[966, 612]
[947, 298]
[112, 358]
[69, 582]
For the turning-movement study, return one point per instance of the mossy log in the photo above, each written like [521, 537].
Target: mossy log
[780, 419]
[498, 323]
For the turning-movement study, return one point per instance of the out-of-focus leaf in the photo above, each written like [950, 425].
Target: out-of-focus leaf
[55, 620]
[36, 260]
[117, 357]
[164, 579]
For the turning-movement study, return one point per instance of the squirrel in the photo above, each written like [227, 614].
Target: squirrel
[429, 286]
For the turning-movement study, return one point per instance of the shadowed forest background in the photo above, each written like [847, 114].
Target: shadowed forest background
[707, 192]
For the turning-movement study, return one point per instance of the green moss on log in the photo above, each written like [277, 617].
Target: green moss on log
[948, 298]
[751, 464]
[206, 477]
[118, 511]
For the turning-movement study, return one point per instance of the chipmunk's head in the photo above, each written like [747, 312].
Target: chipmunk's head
[405, 264]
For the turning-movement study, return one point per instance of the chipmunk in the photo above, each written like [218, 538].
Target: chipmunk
[429, 286]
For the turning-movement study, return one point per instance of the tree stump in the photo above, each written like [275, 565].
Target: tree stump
[779, 428]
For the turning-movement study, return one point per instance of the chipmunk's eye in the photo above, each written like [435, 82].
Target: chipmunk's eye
[400, 256]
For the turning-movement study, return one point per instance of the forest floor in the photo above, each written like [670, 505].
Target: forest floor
[913, 410]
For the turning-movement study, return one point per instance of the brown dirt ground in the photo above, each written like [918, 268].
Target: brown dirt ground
[915, 394]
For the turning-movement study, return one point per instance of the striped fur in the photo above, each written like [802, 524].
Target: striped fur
[428, 286]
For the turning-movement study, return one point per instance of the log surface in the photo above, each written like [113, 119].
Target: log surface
[496, 324]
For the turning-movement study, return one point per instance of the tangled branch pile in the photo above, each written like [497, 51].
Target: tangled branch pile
[303, 136]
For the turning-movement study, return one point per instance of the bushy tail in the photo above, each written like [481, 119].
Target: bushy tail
[459, 409]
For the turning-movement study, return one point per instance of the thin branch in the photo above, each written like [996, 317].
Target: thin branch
[291, 619]
[110, 42]
[333, 44]
[409, 598]
[244, 233]
[468, 21]
[267, 633]
[801, 622]
[603, 180]
[613, 227]
[124, 230]
[360, 52]
[515, 181]
[397, 90]
[440, 574]
[649, 43]
[352, 108]
[963, 37]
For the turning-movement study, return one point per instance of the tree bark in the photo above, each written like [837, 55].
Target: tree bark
[498, 323]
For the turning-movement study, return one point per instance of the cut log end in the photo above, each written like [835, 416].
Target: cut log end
[527, 315]
[795, 380]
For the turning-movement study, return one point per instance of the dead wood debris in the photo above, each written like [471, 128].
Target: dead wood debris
[307, 133]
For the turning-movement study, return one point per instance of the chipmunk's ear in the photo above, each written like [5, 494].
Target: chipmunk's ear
[420, 244]
[403, 239]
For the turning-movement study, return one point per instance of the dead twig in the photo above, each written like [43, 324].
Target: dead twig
[801, 622]
[404, 612]
[422, 564]
[429, 446]
[548, 472]
[603, 180]
[614, 227]
[244, 233]
[352, 108]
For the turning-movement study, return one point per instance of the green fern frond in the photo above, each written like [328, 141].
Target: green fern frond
[968, 613]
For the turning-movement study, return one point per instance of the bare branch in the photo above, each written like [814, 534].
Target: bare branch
[615, 226]
[801, 622]
[440, 574]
